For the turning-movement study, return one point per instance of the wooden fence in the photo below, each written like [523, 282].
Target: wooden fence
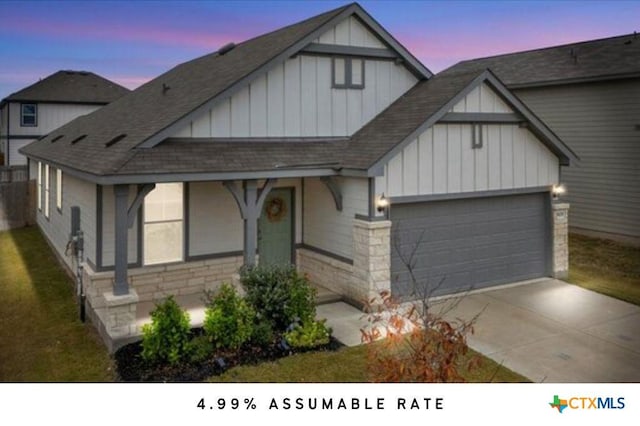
[17, 198]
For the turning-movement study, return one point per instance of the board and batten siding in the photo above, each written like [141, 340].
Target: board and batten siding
[295, 99]
[441, 159]
[57, 228]
[482, 99]
[599, 122]
[350, 32]
[108, 227]
[215, 223]
[327, 228]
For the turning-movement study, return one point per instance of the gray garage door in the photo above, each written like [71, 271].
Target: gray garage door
[458, 245]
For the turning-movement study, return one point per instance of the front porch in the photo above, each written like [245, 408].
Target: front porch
[324, 230]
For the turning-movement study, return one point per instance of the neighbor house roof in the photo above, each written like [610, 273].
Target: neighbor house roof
[604, 59]
[77, 87]
[103, 142]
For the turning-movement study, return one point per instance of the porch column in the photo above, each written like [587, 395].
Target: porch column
[251, 221]
[560, 235]
[371, 258]
[250, 201]
[121, 285]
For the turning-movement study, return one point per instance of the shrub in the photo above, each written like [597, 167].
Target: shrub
[262, 333]
[200, 348]
[166, 339]
[308, 335]
[228, 319]
[279, 294]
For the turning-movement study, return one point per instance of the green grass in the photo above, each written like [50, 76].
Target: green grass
[606, 267]
[41, 337]
[346, 365]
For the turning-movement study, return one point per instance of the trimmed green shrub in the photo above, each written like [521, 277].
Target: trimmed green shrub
[279, 294]
[166, 339]
[262, 333]
[228, 319]
[200, 348]
[308, 335]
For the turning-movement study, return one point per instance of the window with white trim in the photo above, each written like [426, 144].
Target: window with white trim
[164, 224]
[28, 115]
[46, 191]
[59, 190]
[39, 178]
[348, 73]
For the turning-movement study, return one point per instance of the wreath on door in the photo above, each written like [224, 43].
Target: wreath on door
[276, 209]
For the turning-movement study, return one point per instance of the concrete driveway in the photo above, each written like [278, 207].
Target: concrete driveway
[547, 330]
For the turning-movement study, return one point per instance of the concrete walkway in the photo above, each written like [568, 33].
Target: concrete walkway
[547, 330]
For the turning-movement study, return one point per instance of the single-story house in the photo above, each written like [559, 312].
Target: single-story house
[325, 144]
[588, 93]
[36, 110]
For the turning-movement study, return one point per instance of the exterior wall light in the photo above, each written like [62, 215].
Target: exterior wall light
[557, 191]
[383, 203]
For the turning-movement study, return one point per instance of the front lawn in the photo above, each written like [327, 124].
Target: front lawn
[346, 365]
[41, 337]
[605, 266]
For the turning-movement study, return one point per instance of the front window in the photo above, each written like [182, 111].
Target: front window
[29, 115]
[39, 196]
[46, 191]
[59, 190]
[163, 224]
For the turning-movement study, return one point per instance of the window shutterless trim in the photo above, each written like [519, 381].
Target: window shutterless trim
[348, 73]
[35, 115]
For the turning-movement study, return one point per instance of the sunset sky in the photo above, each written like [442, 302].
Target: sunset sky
[132, 42]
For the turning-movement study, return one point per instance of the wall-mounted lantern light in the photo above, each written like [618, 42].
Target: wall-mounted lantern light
[383, 203]
[557, 191]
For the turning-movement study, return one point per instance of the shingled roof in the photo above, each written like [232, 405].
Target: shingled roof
[604, 59]
[69, 86]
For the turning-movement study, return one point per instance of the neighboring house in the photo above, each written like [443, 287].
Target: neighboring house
[589, 94]
[286, 146]
[48, 104]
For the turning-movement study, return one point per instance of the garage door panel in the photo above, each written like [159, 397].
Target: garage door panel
[470, 243]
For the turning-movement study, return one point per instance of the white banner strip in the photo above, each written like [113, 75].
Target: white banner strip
[291, 404]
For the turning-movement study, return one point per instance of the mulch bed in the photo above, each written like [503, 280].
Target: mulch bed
[130, 366]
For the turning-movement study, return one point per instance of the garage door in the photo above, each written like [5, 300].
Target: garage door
[458, 245]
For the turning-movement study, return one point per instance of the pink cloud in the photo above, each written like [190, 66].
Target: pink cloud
[141, 32]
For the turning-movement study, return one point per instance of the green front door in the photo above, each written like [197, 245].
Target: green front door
[275, 228]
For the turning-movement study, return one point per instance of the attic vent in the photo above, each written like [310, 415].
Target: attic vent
[57, 138]
[115, 140]
[226, 48]
[78, 139]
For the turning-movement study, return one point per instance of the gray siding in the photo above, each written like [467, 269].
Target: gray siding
[57, 228]
[598, 121]
[325, 227]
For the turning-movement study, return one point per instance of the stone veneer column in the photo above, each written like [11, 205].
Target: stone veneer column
[560, 224]
[371, 258]
[120, 319]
